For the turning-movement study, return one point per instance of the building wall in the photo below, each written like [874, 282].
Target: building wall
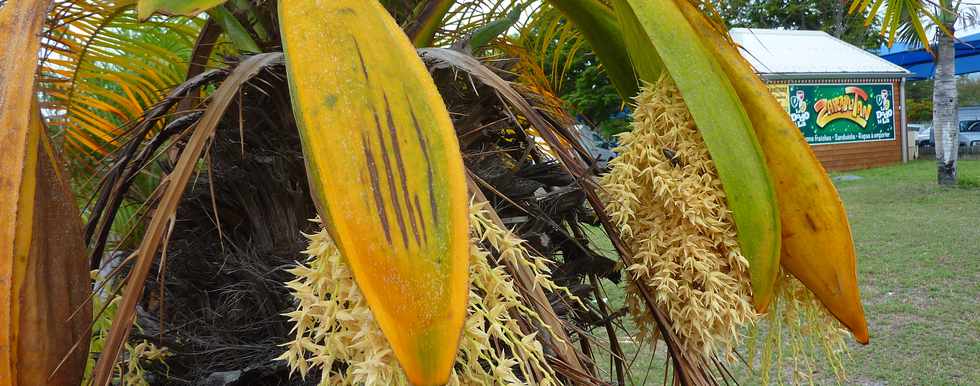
[858, 155]
[969, 113]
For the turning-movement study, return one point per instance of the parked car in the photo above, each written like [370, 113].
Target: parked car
[923, 134]
[969, 133]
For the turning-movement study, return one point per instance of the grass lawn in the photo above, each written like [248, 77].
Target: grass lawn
[918, 251]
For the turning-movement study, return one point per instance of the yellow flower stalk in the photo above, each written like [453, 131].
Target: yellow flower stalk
[664, 194]
[795, 337]
[333, 324]
[141, 353]
[130, 372]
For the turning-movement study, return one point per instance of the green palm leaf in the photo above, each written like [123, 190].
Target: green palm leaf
[103, 68]
[909, 16]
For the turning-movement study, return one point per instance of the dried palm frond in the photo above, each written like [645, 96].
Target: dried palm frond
[336, 333]
[172, 191]
[664, 194]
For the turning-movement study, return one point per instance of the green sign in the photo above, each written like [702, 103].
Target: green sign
[843, 113]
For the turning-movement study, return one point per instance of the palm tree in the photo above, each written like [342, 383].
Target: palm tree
[199, 143]
[908, 20]
[945, 117]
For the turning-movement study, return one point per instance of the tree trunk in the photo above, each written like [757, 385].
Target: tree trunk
[838, 28]
[945, 110]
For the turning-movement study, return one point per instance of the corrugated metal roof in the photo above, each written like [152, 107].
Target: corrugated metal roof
[792, 53]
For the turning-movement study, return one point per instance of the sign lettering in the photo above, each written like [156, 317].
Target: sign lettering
[842, 113]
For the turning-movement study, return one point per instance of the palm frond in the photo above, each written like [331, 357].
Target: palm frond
[544, 51]
[546, 47]
[467, 16]
[101, 69]
[423, 26]
[906, 20]
[908, 34]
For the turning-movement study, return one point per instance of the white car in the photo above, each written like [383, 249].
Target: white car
[969, 133]
[923, 134]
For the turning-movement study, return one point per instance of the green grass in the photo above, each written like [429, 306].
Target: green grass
[918, 251]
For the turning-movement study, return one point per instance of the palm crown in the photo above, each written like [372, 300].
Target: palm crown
[397, 122]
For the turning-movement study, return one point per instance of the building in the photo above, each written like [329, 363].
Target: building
[849, 103]
[969, 113]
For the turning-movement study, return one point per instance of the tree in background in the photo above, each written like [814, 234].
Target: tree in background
[918, 110]
[918, 101]
[586, 89]
[825, 15]
[918, 97]
[593, 98]
[969, 91]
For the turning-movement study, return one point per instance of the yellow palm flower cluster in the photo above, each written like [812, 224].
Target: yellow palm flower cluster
[664, 195]
[336, 333]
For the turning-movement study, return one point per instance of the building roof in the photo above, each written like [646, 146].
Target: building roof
[791, 54]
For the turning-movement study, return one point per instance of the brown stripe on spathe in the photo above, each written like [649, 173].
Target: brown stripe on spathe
[428, 163]
[810, 222]
[360, 56]
[376, 187]
[425, 231]
[396, 148]
[391, 179]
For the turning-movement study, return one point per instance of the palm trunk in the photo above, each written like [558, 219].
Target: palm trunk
[945, 110]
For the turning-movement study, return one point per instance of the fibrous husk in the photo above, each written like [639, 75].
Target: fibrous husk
[336, 333]
[664, 194]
